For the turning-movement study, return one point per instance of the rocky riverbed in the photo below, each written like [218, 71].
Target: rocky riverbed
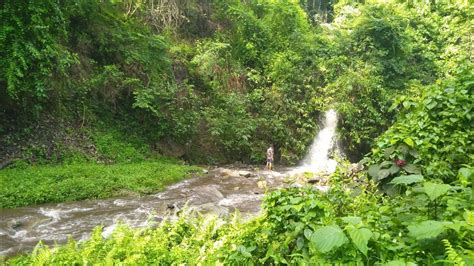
[218, 190]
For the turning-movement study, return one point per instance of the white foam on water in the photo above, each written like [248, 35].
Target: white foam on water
[108, 230]
[317, 160]
[77, 209]
[55, 214]
[120, 202]
[236, 199]
[6, 252]
[22, 235]
[178, 185]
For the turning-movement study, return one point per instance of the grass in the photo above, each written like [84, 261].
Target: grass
[60, 183]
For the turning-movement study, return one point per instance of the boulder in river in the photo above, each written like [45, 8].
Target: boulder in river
[15, 224]
[206, 194]
[262, 184]
[314, 180]
[212, 208]
[245, 173]
[224, 172]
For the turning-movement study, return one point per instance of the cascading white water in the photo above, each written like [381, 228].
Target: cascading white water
[317, 159]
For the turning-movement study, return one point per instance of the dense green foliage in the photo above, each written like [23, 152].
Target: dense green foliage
[40, 184]
[434, 132]
[220, 79]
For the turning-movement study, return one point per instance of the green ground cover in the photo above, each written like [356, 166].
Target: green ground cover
[59, 183]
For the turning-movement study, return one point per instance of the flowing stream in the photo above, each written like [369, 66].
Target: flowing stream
[220, 191]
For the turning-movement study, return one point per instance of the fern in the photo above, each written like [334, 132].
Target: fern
[452, 254]
[43, 256]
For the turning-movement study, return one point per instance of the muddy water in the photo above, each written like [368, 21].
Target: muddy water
[220, 191]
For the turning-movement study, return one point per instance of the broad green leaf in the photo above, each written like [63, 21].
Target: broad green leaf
[382, 174]
[388, 151]
[327, 238]
[374, 170]
[399, 263]
[466, 172]
[352, 220]
[298, 207]
[360, 237]
[308, 233]
[434, 190]
[409, 142]
[300, 242]
[394, 169]
[407, 179]
[295, 200]
[386, 163]
[246, 251]
[431, 105]
[426, 229]
[391, 189]
[364, 161]
[411, 168]
[413, 153]
[469, 217]
[455, 225]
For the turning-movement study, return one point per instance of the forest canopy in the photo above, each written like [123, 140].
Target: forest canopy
[225, 79]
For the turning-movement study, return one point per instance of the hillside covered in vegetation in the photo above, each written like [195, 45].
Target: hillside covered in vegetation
[117, 85]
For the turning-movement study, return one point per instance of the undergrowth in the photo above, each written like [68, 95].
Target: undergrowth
[58, 183]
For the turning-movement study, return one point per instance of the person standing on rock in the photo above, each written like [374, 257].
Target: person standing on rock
[270, 158]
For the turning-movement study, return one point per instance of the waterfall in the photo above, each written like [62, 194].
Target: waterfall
[317, 160]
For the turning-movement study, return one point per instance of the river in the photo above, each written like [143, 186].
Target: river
[221, 191]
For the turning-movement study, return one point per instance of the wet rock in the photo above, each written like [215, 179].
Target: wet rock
[355, 168]
[236, 188]
[262, 184]
[212, 208]
[15, 224]
[206, 194]
[158, 219]
[227, 172]
[245, 174]
[176, 206]
[314, 180]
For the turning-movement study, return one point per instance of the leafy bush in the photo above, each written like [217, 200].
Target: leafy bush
[435, 125]
[32, 40]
